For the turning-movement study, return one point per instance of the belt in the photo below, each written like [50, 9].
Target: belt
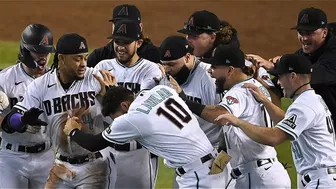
[181, 171]
[306, 178]
[236, 172]
[133, 145]
[29, 149]
[80, 159]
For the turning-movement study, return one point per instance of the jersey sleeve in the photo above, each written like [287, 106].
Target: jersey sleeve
[296, 120]
[153, 72]
[32, 97]
[121, 131]
[94, 82]
[235, 102]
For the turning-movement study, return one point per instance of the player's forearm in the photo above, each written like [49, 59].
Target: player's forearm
[259, 134]
[276, 113]
[90, 142]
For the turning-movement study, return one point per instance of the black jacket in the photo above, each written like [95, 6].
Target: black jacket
[147, 51]
[323, 79]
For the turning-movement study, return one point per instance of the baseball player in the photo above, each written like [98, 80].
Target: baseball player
[253, 165]
[197, 84]
[65, 90]
[135, 74]
[147, 49]
[20, 150]
[307, 124]
[162, 123]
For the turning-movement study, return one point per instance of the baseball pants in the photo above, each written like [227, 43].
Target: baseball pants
[136, 169]
[319, 179]
[25, 170]
[270, 175]
[96, 174]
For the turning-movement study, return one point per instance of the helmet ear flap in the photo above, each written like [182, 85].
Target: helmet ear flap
[26, 58]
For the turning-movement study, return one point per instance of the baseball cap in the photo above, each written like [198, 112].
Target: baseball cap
[201, 22]
[311, 19]
[126, 11]
[173, 48]
[126, 30]
[289, 63]
[227, 55]
[71, 43]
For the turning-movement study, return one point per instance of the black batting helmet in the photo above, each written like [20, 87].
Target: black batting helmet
[35, 38]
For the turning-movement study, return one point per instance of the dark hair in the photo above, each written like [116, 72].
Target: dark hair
[113, 97]
[227, 35]
[54, 66]
[247, 70]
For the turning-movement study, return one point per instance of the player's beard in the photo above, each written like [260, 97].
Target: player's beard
[220, 85]
[182, 75]
[127, 57]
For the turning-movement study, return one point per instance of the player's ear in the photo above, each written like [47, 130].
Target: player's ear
[61, 58]
[139, 43]
[124, 106]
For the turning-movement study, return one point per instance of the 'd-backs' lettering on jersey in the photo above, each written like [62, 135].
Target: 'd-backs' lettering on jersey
[161, 122]
[201, 88]
[14, 82]
[241, 103]
[308, 121]
[47, 93]
[135, 78]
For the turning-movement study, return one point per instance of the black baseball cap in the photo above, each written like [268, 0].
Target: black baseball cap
[126, 11]
[311, 19]
[227, 55]
[72, 43]
[201, 22]
[126, 30]
[173, 48]
[289, 63]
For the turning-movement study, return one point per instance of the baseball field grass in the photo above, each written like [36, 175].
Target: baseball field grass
[8, 56]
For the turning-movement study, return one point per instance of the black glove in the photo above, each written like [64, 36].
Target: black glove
[30, 117]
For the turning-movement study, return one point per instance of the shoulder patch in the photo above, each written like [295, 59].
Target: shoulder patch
[290, 121]
[231, 100]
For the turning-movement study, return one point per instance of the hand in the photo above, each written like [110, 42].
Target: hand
[227, 119]
[4, 102]
[30, 117]
[175, 85]
[78, 112]
[275, 59]
[71, 124]
[257, 93]
[107, 81]
[260, 61]
[255, 66]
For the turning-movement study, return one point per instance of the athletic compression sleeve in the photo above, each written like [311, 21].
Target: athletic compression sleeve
[195, 107]
[90, 142]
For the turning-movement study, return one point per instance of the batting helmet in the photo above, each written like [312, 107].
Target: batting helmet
[35, 38]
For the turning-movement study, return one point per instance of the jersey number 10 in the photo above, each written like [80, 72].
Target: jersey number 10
[173, 110]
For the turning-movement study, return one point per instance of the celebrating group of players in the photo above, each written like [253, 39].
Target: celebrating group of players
[210, 111]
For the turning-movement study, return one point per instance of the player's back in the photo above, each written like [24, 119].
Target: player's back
[241, 103]
[167, 126]
[14, 82]
[314, 146]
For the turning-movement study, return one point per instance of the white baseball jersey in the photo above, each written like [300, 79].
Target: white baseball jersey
[163, 124]
[201, 88]
[241, 103]
[14, 81]
[308, 121]
[47, 93]
[135, 78]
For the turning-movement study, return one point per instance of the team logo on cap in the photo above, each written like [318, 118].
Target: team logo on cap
[167, 54]
[82, 45]
[122, 29]
[123, 11]
[44, 41]
[304, 19]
